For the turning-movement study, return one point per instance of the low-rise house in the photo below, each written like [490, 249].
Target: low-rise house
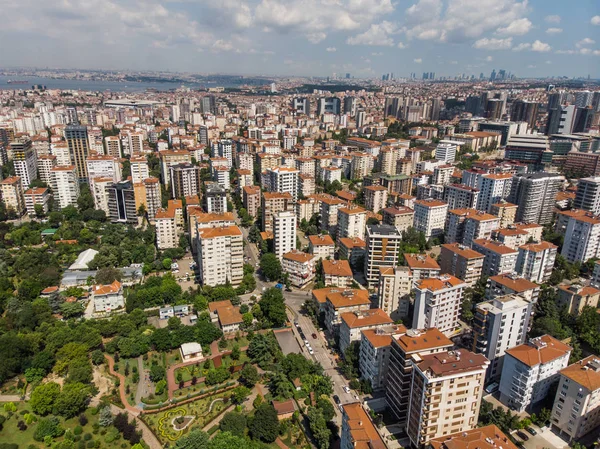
[226, 315]
[108, 298]
[190, 351]
[284, 409]
[337, 273]
[575, 296]
[300, 267]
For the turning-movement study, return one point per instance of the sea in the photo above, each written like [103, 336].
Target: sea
[101, 86]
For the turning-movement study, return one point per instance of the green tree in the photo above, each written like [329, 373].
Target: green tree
[43, 398]
[72, 400]
[272, 306]
[157, 372]
[240, 394]
[265, 425]
[196, 439]
[141, 210]
[326, 408]
[249, 375]
[270, 266]
[318, 427]
[108, 275]
[233, 422]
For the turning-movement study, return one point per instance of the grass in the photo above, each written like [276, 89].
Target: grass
[240, 342]
[120, 367]
[11, 434]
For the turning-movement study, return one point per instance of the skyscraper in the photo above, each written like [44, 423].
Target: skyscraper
[588, 195]
[121, 202]
[284, 233]
[79, 148]
[524, 111]
[535, 194]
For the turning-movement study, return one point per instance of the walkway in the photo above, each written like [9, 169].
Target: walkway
[145, 385]
[13, 398]
[111, 369]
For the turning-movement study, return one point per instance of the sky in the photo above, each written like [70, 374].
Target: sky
[366, 38]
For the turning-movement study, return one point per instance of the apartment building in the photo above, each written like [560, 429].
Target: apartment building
[575, 296]
[100, 166]
[535, 194]
[271, 204]
[358, 431]
[24, 159]
[582, 238]
[337, 273]
[251, 200]
[108, 298]
[351, 222]
[460, 196]
[445, 394]
[121, 202]
[281, 180]
[148, 193]
[500, 324]
[11, 190]
[462, 262]
[220, 175]
[339, 301]
[437, 303]
[505, 211]
[499, 258]
[45, 164]
[197, 220]
[215, 198]
[353, 323]
[393, 290]
[306, 185]
[37, 196]
[185, 180]
[374, 355]
[361, 165]
[493, 188]
[65, 185]
[587, 196]
[421, 266]
[530, 369]
[321, 246]
[375, 198]
[329, 213]
[486, 437]
[220, 255]
[576, 409]
[382, 250]
[535, 261]
[508, 284]
[284, 233]
[166, 229]
[354, 250]
[113, 146]
[172, 157]
[430, 217]
[400, 217]
[300, 267]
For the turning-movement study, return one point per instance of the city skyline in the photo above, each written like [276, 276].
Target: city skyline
[532, 38]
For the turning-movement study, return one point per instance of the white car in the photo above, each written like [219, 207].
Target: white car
[306, 343]
[310, 351]
[346, 388]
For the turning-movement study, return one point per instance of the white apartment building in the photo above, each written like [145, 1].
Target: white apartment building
[220, 175]
[401, 217]
[225, 150]
[492, 189]
[445, 394]
[393, 290]
[98, 188]
[330, 174]
[460, 196]
[329, 213]
[535, 261]
[45, 164]
[479, 225]
[361, 165]
[65, 185]
[582, 238]
[284, 233]
[422, 266]
[220, 255]
[437, 303]
[108, 298]
[577, 403]
[462, 262]
[282, 180]
[37, 195]
[430, 217]
[300, 267]
[500, 324]
[351, 222]
[113, 146]
[139, 169]
[588, 195]
[375, 198]
[61, 151]
[11, 190]
[374, 355]
[166, 229]
[353, 323]
[103, 167]
[499, 258]
[445, 152]
[321, 246]
[530, 369]
[383, 248]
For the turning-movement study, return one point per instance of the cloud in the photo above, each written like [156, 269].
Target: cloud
[401, 45]
[531, 66]
[554, 30]
[585, 42]
[516, 28]
[489, 58]
[595, 20]
[552, 19]
[317, 37]
[522, 47]
[331, 49]
[537, 46]
[377, 53]
[376, 35]
[418, 60]
[493, 43]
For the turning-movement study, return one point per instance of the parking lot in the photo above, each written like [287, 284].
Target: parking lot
[287, 341]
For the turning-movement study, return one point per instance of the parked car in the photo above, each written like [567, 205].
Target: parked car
[336, 399]
[492, 388]
[346, 388]
[523, 435]
[531, 430]
[310, 351]
[314, 335]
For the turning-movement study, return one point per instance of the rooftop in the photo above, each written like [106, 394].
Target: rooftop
[586, 373]
[337, 268]
[495, 247]
[321, 240]
[487, 437]
[110, 289]
[417, 340]
[514, 283]
[463, 251]
[298, 256]
[366, 318]
[440, 283]
[451, 362]
[421, 262]
[539, 350]
[362, 431]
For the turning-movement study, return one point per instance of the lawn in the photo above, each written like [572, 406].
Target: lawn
[83, 436]
[196, 414]
[129, 369]
[241, 342]
[159, 358]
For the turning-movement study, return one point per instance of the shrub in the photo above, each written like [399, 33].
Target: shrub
[83, 420]
[78, 430]
[87, 437]
[48, 427]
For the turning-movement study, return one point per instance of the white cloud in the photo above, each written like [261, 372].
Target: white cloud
[595, 20]
[489, 59]
[418, 60]
[375, 53]
[401, 45]
[331, 49]
[540, 46]
[317, 37]
[516, 28]
[552, 19]
[585, 42]
[493, 43]
[548, 62]
[531, 66]
[522, 47]
[554, 30]
[378, 34]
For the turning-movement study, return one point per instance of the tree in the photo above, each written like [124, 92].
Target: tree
[72, 399]
[233, 422]
[318, 427]
[265, 425]
[326, 408]
[270, 266]
[272, 305]
[157, 372]
[54, 219]
[196, 439]
[39, 210]
[43, 398]
[217, 376]
[166, 263]
[263, 349]
[249, 375]
[105, 417]
[141, 210]
[72, 309]
[108, 275]
[48, 427]
[240, 394]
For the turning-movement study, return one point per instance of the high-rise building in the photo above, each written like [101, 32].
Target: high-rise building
[328, 105]
[281, 180]
[575, 410]
[301, 105]
[284, 233]
[525, 111]
[121, 202]
[462, 262]
[351, 222]
[445, 394]
[215, 198]
[535, 261]
[583, 98]
[350, 104]
[207, 104]
[24, 160]
[493, 188]
[493, 109]
[460, 196]
[220, 255]
[79, 149]
[437, 303]
[113, 146]
[535, 196]
[272, 203]
[430, 217]
[251, 199]
[588, 195]
[225, 149]
[530, 369]
[100, 166]
[499, 258]
[561, 120]
[393, 290]
[65, 185]
[500, 324]
[383, 249]
[375, 198]
[11, 191]
[139, 169]
[185, 180]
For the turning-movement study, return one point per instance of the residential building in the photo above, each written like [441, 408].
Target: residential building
[499, 258]
[251, 198]
[400, 217]
[430, 217]
[37, 196]
[79, 148]
[148, 193]
[582, 238]
[271, 204]
[281, 180]
[100, 166]
[575, 296]
[535, 261]
[530, 369]
[306, 185]
[375, 198]
[220, 255]
[24, 160]
[45, 164]
[492, 189]
[445, 394]
[166, 229]
[466, 225]
[505, 211]
[354, 250]
[284, 233]
[226, 315]
[113, 146]
[460, 196]
[172, 157]
[500, 324]
[361, 165]
[422, 266]
[508, 284]
[11, 191]
[382, 250]
[321, 246]
[535, 194]
[393, 291]
[353, 323]
[215, 198]
[65, 185]
[329, 213]
[374, 355]
[121, 202]
[185, 179]
[461, 262]
[351, 222]
[339, 301]
[445, 152]
[405, 347]
[108, 298]
[220, 175]
[577, 402]
[300, 267]
[588, 195]
[358, 431]
[337, 273]
[486, 437]
[437, 303]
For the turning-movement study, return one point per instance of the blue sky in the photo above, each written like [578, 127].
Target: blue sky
[306, 37]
